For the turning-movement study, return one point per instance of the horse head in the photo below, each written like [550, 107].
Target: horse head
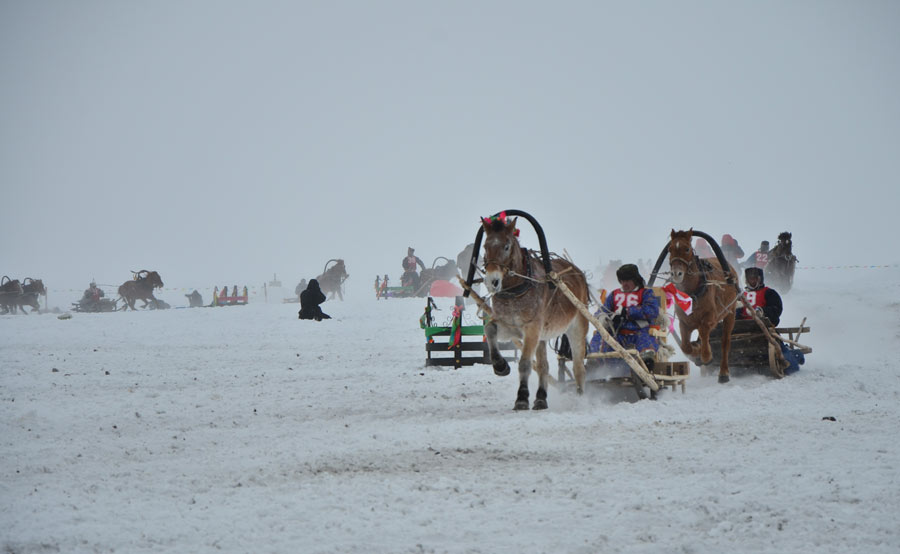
[502, 252]
[342, 269]
[153, 279]
[785, 244]
[34, 285]
[681, 254]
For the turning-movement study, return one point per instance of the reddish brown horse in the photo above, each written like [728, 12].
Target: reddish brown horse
[331, 281]
[525, 308]
[714, 299]
[140, 288]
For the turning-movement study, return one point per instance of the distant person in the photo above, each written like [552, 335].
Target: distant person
[301, 286]
[765, 302]
[411, 262]
[93, 293]
[732, 251]
[760, 258]
[702, 249]
[195, 299]
[310, 300]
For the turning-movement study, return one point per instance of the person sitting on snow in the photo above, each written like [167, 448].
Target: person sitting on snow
[765, 301]
[310, 300]
[631, 310]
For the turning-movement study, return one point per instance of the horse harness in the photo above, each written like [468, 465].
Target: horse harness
[703, 266]
[526, 284]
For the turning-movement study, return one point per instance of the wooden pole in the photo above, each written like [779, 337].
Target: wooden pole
[482, 304]
[633, 361]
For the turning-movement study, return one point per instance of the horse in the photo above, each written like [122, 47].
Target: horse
[332, 278]
[10, 291]
[464, 258]
[714, 297]
[527, 309]
[782, 263]
[140, 288]
[31, 288]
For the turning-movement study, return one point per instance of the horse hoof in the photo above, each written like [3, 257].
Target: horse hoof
[501, 369]
[521, 405]
[724, 378]
[539, 404]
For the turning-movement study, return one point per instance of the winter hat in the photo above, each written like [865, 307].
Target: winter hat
[629, 272]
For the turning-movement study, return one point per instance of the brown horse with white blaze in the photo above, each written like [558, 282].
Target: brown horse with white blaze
[714, 296]
[140, 288]
[526, 308]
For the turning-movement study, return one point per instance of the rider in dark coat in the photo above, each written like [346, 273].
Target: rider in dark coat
[765, 301]
[310, 300]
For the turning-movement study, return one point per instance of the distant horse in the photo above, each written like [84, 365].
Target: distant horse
[10, 291]
[429, 275]
[527, 309]
[713, 296]
[332, 278]
[31, 289]
[782, 263]
[140, 288]
[464, 258]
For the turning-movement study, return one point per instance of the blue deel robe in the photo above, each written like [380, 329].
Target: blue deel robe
[636, 325]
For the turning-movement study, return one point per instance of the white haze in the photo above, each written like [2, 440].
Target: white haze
[244, 429]
[227, 141]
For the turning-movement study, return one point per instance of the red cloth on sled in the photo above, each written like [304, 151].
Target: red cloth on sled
[444, 288]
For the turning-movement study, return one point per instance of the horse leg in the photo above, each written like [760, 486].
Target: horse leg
[529, 346]
[727, 327]
[705, 349]
[686, 346]
[542, 366]
[577, 336]
[501, 366]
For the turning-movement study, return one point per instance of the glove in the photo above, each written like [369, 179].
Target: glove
[618, 318]
[759, 311]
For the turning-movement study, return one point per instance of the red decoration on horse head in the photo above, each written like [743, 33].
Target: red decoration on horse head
[501, 217]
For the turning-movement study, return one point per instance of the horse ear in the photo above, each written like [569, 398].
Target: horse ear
[512, 224]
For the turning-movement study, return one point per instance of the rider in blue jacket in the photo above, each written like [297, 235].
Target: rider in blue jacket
[633, 308]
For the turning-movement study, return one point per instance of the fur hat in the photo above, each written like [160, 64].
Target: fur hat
[630, 272]
[757, 271]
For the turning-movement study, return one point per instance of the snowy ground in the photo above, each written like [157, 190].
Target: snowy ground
[243, 429]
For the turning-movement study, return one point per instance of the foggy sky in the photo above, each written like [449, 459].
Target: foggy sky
[223, 141]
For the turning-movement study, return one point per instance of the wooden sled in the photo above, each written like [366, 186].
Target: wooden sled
[611, 369]
[437, 343]
[752, 351]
